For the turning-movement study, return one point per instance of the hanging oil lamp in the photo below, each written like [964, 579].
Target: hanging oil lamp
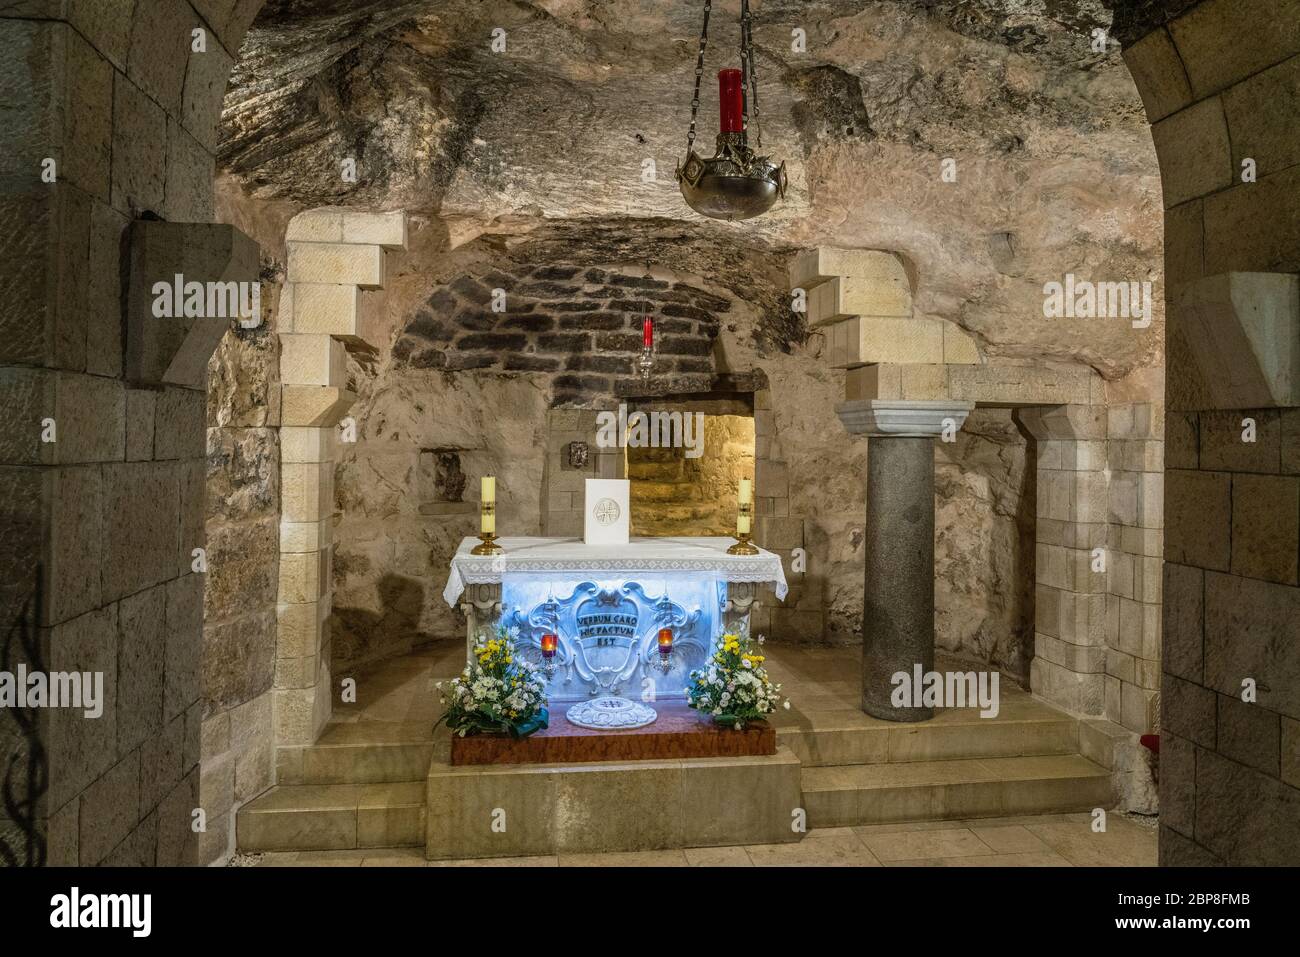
[734, 183]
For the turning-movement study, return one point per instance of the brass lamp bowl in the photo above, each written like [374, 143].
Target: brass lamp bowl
[735, 184]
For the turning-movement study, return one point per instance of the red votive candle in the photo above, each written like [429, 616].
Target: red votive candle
[731, 105]
[548, 645]
[648, 332]
[665, 641]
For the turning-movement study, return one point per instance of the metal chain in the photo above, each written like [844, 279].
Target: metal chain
[744, 67]
[747, 43]
[699, 72]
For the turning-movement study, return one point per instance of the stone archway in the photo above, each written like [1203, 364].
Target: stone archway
[1220, 93]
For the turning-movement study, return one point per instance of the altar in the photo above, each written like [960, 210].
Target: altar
[606, 606]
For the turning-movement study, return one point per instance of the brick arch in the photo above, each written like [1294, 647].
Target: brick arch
[1219, 81]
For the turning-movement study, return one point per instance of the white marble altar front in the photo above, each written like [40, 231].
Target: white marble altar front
[606, 605]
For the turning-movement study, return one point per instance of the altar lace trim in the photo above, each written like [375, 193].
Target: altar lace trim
[763, 569]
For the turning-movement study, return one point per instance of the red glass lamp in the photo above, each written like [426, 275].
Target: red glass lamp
[734, 183]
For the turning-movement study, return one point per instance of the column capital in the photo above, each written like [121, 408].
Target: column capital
[901, 418]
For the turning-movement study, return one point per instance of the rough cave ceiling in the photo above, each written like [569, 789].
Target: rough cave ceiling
[587, 89]
[559, 125]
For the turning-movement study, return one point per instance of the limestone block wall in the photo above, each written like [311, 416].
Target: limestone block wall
[114, 506]
[563, 483]
[1098, 598]
[1134, 602]
[333, 254]
[1070, 589]
[1230, 780]
[801, 617]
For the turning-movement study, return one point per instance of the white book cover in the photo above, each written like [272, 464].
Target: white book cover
[606, 513]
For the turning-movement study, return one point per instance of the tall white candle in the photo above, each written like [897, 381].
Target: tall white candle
[488, 494]
[745, 499]
[746, 491]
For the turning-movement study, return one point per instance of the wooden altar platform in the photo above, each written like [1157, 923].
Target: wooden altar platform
[678, 732]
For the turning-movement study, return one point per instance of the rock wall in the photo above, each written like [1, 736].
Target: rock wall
[984, 543]
[242, 523]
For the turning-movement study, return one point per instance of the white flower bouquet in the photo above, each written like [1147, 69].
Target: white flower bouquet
[734, 686]
[497, 693]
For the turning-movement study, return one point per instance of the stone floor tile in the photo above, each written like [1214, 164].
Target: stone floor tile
[626, 859]
[1122, 844]
[828, 847]
[394, 857]
[916, 845]
[718, 857]
[543, 861]
[347, 858]
[1047, 859]
[1010, 839]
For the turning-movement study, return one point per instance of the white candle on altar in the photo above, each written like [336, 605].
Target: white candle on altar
[488, 494]
[745, 498]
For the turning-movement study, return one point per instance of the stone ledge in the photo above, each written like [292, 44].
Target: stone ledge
[335, 263]
[176, 349]
[339, 225]
[1243, 330]
[901, 418]
[822, 263]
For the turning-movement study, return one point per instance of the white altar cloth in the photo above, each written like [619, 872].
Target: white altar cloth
[707, 555]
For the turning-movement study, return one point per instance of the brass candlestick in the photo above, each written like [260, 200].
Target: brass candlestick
[487, 545]
[743, 546]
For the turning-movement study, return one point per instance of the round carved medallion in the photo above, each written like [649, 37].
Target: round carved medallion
[606, 511]
[610, 713]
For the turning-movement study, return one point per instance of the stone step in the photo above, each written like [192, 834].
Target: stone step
[360, 752]
[657, 491]
[858, 739]
[652, 453]
[611, 806]
[673, 470]
[322, 817]
[952, 790]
